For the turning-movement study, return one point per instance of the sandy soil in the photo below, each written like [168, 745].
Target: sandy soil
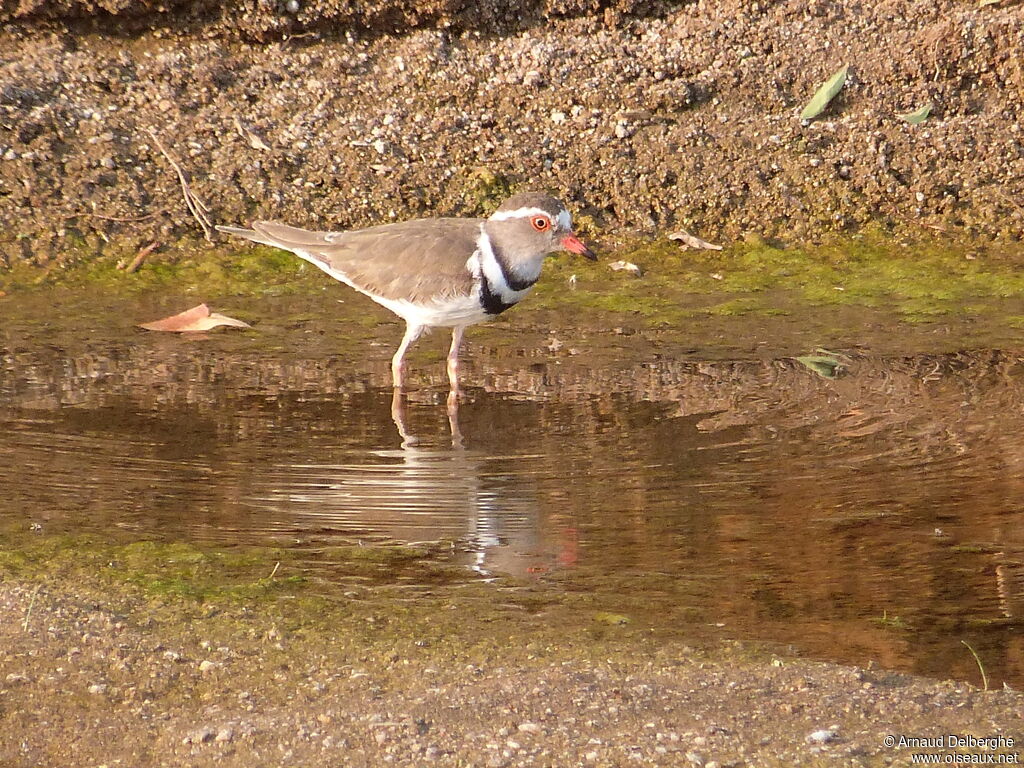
[643, 117]
[116, 677]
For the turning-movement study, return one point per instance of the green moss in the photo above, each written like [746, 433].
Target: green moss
[486, 190]
[741, 306]
[917, 281]
[192, 266]
[864, 268]
[185, 583]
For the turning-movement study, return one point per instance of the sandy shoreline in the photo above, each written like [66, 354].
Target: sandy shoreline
[100, 671]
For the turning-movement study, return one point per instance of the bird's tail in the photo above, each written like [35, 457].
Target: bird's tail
[249, 234]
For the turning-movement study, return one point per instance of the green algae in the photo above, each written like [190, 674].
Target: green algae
[157, 568]
[891, 621]
[417, 601]
[486, 190]
[917, 282]
[191, 266]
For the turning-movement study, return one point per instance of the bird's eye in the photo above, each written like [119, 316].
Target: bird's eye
[541, 223]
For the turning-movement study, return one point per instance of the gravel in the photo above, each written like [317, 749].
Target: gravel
[525, 702]
[643, 117]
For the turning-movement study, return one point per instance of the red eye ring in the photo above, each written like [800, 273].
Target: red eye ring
[541, 223]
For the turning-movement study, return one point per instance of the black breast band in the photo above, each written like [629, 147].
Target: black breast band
[492, 303]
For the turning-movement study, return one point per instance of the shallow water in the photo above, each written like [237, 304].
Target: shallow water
[877, 516]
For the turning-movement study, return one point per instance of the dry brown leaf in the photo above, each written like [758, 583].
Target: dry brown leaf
[255, 140]
[198, 318]
[626, 266]
[692, 241]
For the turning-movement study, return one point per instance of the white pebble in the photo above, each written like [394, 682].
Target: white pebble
[821, 737]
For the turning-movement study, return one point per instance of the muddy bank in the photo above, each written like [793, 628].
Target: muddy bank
[154, 655]
[643, 117]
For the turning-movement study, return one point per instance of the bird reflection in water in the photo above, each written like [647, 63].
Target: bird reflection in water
[424, 490]
[408, 439]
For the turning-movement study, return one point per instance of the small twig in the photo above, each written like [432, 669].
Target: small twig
[31, 603]
[196, 206]
[141, 257]
[113, 218]
[984, 677]
[276, 566]
[288, 38]
[255, 140]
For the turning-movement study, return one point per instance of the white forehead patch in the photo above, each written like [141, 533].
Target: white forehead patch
[564, 219]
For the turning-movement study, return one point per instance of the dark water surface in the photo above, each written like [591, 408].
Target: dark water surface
[877, 516]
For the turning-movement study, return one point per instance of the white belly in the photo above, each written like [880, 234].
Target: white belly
[440, 313]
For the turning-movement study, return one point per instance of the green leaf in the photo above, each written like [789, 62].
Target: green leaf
[917, 116]
[826, 367]
[825, 94]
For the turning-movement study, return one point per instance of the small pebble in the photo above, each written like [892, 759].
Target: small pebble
[201, 736]
[824, 736]
[533, 79]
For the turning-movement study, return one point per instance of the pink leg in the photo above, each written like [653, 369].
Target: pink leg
[398, 416]
[453, 420]
[412, 332]
[453, 362]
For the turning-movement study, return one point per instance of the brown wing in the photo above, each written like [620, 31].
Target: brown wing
[414, 260]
